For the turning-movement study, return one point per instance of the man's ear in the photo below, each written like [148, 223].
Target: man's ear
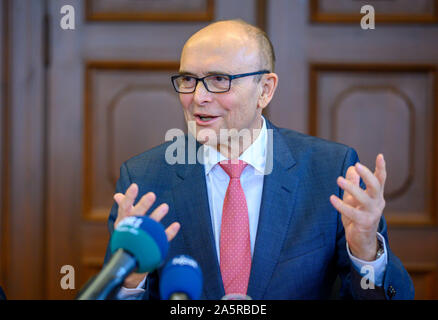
[269, 84]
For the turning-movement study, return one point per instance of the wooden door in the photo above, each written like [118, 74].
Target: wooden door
[375, 90]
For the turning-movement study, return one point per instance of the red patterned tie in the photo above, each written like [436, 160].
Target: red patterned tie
[235, 246]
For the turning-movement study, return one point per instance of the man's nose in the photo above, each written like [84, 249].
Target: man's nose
[201, 94]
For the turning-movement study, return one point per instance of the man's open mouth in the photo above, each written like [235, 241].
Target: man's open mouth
[205, 118]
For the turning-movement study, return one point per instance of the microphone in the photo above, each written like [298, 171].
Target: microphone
[181, 279]
[137, 244]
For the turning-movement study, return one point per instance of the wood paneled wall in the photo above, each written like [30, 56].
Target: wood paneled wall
[74, 107]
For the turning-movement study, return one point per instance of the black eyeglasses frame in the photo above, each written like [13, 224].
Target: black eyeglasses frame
[231, 77]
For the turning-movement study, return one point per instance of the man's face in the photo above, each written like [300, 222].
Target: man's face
[235, 109]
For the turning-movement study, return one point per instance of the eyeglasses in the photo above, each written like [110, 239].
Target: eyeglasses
[215, 83]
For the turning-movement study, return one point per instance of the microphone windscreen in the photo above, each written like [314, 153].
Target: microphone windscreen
[182, 274]
[144, 238]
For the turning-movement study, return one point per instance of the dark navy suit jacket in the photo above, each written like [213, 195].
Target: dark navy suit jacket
[300, 245]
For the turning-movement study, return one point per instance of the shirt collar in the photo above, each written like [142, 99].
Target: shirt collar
[255, 155]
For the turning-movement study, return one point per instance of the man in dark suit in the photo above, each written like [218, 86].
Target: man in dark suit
[269, 215]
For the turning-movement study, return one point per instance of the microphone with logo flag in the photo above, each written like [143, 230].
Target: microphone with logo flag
[138, 244]
[181, 279]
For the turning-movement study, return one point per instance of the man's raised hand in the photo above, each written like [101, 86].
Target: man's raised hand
[361, 210]
[127, 208]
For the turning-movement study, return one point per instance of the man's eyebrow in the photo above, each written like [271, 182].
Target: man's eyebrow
[183, 72]
[217, 72]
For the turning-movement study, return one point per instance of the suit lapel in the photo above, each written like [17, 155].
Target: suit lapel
[275, 213]
[193, 213]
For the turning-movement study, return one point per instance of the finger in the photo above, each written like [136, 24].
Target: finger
[380, 171]
[355, 190]
[371, 182]
[143, 205]
[118, 197]
[126, 204]
[352, 175]
[344, 209]
[172, 230]
[159, 212]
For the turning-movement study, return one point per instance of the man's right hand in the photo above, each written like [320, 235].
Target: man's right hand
[126, 209]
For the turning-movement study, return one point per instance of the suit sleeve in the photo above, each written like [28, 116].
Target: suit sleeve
[397, 283]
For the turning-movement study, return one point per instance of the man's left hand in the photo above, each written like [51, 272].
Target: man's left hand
[361, 210]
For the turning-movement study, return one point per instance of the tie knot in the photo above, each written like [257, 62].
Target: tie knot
[232, 168]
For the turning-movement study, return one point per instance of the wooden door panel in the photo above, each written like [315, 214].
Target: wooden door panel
[128, 109]
[387, 109]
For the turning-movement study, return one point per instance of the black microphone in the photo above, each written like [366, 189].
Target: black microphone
[138, 243]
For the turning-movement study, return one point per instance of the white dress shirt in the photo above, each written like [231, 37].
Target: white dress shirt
[251, 180]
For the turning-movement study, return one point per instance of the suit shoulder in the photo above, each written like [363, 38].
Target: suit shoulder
[320, 158]
[152, 161]
[304, 142]
[156, 153]
[317, 151]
